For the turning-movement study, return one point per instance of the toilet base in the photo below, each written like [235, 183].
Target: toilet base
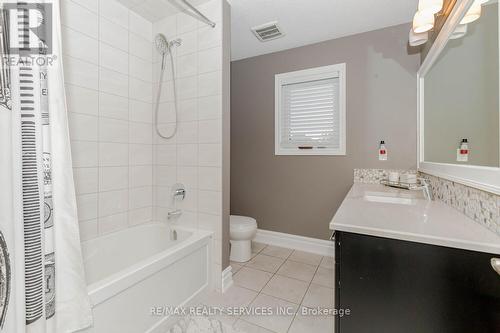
[241, 251]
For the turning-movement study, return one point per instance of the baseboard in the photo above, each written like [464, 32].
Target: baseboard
[227, 278]
[313, 245]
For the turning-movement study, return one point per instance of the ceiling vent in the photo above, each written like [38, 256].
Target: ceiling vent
[268, 31]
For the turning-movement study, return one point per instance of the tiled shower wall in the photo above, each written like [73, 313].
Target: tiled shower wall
[194, 156]
[108, 72]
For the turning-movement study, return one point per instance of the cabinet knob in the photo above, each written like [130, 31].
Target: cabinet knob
[495, 263]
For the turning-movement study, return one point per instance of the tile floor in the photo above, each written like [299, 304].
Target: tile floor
[283, 277]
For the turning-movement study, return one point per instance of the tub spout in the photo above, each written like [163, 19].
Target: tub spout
[173, 235]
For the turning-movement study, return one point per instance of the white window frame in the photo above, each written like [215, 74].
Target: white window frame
[318, 73]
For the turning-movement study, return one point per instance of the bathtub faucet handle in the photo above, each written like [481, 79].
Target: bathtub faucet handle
[174, 214]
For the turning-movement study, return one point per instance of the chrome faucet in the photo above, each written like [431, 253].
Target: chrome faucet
[426, 189]
[174, 214]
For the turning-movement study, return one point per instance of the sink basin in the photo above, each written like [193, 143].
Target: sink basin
[390, 198]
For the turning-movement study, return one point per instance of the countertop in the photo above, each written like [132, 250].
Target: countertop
[421, 221]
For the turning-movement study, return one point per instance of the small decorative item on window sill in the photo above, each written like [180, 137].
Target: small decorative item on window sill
[305, 147]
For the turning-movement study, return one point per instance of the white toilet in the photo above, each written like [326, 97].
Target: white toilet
[242, 230]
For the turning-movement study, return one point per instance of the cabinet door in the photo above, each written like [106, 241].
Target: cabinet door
[397, 286]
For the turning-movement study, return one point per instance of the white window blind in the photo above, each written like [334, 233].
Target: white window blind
[310, 117]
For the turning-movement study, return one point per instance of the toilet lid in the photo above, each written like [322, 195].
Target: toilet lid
[237, 221]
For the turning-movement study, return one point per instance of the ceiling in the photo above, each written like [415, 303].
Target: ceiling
[303, 21]
[154, 10]
[310, 21]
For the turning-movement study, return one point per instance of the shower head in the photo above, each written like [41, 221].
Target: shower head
[161, 43]
[163, 46]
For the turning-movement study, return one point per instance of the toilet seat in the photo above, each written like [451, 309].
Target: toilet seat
[240, 223]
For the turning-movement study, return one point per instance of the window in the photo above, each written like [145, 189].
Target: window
[310, 116]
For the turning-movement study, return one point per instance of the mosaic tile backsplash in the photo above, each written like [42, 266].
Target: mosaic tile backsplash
[480, 206]
[374, 176]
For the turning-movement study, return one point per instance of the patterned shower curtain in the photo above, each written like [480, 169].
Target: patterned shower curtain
[46, 275]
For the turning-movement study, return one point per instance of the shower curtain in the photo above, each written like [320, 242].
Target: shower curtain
[42, 266]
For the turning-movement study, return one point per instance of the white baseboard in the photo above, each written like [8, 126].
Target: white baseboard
[227, 278]
[307, 244]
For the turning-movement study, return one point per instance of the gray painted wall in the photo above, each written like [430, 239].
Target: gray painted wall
[461, 96]
[300, 194]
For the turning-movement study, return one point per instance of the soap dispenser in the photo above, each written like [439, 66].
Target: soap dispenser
[382, 151]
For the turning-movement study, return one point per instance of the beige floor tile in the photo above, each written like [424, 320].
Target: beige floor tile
[306, 257]
[308, 322]
[283, 287]
[276, 251]
[297, 270]
[235, 266]
[265, 263]
[251, 278]
[258, 247]
[318, 296]
[280, 317]
[246, 327]
[327, 262]
[234, 296]
[324, 277]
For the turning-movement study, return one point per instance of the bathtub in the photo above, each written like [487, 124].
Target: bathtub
[132, 271]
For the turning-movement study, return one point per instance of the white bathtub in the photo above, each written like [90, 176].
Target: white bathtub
[131, 271]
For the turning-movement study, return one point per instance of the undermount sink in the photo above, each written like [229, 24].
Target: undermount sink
[391, 198]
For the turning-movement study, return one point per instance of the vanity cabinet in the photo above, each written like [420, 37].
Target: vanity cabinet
[394, 286]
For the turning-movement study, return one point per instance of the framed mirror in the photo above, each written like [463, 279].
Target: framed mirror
[459, 100]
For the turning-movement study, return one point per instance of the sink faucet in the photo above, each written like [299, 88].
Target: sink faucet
[426, 189]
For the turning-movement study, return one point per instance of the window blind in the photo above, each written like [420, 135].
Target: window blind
[310, 114]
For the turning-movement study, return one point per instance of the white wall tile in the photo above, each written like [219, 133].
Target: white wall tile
[141, 154]
[113, 34]
[209, 178]
[88, 229]
[113, 154]
[209, 84]
[82, 127]
[141, 176]
[79, 18]
[210, 154]
[113, 178]
[187, 87]
[140, 111]
[140, 26]
[166, 26]
[188, 176]
[141, 197]
[81, 73]
[187, 65]
[141, 215]
[112, 82]
[165, 175]
[189, 43]
[140, 90]
[210, 202]
[82, 100]
[186, 22]
[140, 47]
[209, 37]
[113, 58]
[187, 132]
[210, 60]
[113, 202]
[141, 69]
[166, 155]
[187, 155]
[86, 180]
[113, 223]
[140, 133]
[115, 12]
[84, 154]
[211, 223]
[188, 110]
[86, 206]
[210, 131]
[190, 202]
[113, 130]
[113, 106]
[210, 107]
[79, 45]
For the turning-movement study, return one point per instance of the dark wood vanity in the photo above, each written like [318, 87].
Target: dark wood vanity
[396, 286]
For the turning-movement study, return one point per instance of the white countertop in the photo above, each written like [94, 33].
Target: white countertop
[422, 221]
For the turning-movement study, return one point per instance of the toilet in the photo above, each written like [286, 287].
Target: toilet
[242, 230]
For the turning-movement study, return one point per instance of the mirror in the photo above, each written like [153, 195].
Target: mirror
[461, 96]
